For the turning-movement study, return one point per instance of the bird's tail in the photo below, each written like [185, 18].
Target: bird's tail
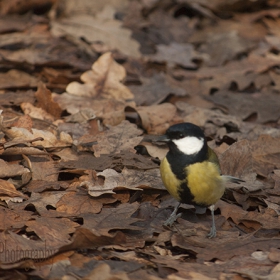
[233, 179]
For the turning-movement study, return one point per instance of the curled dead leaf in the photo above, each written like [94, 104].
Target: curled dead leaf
[8, 192]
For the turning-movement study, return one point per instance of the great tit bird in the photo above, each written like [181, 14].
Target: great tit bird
[191, 171]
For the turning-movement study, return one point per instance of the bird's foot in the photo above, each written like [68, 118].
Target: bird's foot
[212, 232]
[170, 221]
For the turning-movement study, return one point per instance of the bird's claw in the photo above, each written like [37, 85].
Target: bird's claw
[212, 233]
[170, 221]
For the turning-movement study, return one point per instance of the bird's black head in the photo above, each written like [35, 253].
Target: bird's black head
[181, 130]
[186, 138]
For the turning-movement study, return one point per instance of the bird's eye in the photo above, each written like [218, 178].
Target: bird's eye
[181, 135]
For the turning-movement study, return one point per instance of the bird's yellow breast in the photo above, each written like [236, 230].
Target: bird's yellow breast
[205, 182]
[169, 179]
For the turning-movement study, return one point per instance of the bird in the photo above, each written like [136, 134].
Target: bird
[191, 172]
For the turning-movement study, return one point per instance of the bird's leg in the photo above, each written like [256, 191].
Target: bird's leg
[212, 232]
[173, 217]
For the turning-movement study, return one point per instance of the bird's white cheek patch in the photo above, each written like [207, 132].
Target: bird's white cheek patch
[189, 145]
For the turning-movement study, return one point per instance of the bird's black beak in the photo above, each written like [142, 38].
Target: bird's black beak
[163, 138]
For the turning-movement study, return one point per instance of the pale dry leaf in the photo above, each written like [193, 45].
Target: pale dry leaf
[148, 179]
[103, 272]
[243, 105]
[9, 192]
[112, 180]
[33, 54]
[45, 138]
[103, 80]
[123, 137]
[174, 277]
[23, 150]
[260, 255]
[274, 255]
[95, 190]
[12, 199]
[250, 184]
[265, 153]
[21, 38]
[24, 121]
[130, 179]
[45, 170]
[76, 88]
[17, 79]
[154, 90]
[131, 256]
[224, 47]
[84, 115]
[176, 54]
[154, 150]
[50, 140]
[196, 275]
[200, 116]
[68, 8]
[11, 170]
[102, 28]
[65, 138]
[35, 112]
[110, 110]
[273, 206]
[157, 118]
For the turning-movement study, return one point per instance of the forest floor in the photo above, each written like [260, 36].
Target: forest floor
[86, 87]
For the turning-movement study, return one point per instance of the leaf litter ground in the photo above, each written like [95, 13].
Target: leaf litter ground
[81, 194]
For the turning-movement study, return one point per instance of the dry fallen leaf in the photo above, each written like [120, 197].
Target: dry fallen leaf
[109, 181]
[36, 112]
[259, 156]
[266, 107]
[112, 218]
[37, 137]
[46, 102]
[101, 28]
[14, 78]
[54, 231]
[103, 80]
[25, 248]
[176, 54]
[85, 238]
[24, 121]
[81, 172]
[154, 90]
[111, 111]
[72, 203]
[123, 137]
[157, 118]
[202, 116]
[11, 170]
[105, 270]
[8, 192]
